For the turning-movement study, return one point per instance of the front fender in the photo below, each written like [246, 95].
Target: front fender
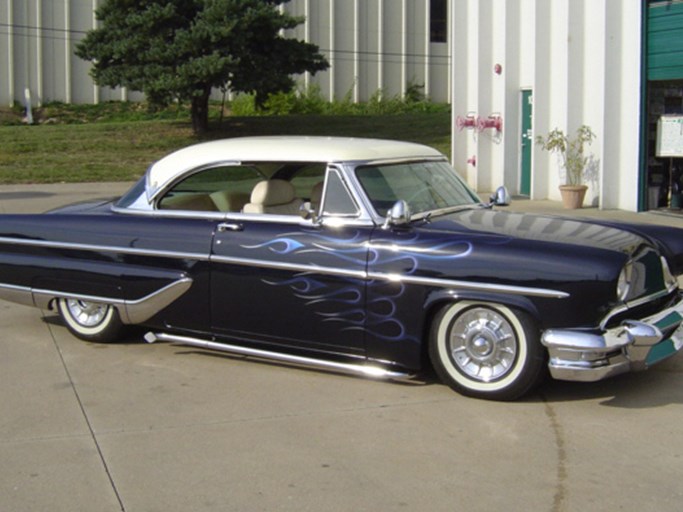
[437, 298]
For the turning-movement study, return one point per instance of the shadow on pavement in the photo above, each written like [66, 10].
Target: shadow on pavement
[656, 387]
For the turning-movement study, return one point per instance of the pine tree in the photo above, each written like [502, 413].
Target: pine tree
[182, 49]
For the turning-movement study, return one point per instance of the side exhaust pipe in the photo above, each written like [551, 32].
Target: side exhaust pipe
[363, 370]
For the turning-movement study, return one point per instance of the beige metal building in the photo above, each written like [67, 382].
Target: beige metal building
[511, 69]
[524, 67]
[371, 44]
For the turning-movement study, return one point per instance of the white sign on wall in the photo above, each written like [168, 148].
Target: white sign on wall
[670, 136]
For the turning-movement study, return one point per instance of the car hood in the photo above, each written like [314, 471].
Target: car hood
[543, 228]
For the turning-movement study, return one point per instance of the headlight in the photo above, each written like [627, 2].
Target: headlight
[625, 281]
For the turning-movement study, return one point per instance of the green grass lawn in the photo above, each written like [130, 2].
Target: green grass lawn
[121, 151]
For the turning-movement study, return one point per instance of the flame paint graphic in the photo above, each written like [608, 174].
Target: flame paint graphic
[345, 304]
[287, 245]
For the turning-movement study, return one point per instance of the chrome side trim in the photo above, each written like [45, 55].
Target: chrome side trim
[468, 285]
[293, 267]
[141, 310]
[106, 248]
[371, 276]
[307, 268]
[17, 294]
[130, 311]
[337, 220]
[172, 214]
[364, 370]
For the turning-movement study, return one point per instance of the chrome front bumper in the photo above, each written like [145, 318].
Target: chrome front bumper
[634, 345]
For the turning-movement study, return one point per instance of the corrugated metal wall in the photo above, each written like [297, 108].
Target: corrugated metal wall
[375, 44]
[581, 59]
[371, 44]
[37, 40]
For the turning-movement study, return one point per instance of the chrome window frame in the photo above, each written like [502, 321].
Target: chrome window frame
[155, 193]
[350, 168]
[365, 217]
[339, 171]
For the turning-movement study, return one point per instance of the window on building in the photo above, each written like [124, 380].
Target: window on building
[438, 21]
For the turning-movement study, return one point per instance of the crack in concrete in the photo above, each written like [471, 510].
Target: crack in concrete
[560, 496]
[85, 415]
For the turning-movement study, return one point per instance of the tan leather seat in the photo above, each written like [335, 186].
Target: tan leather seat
[195, 202]
[316, 195]
[274, 197]
[227, 201]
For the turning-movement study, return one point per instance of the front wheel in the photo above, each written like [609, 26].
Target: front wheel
[91, 321]
[486, 350]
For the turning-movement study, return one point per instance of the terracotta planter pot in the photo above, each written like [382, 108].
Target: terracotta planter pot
[573, 195]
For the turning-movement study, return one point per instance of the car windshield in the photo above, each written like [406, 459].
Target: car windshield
[426, 186]
[135, 194]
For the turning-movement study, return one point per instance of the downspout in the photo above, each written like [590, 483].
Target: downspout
[10, 54]
[642, 160]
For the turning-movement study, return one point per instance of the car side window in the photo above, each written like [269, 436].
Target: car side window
[288, 186]
[306, 178]
[337, 200]
[219, 189]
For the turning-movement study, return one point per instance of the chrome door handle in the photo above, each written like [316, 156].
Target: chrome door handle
[230, 226]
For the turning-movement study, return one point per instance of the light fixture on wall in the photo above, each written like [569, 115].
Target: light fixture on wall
[494, 121]
[469, 121]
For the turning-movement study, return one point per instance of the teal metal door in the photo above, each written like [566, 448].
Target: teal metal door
[527, 142]
[665, 41]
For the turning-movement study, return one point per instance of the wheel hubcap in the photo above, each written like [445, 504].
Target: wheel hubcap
[87, 314]
[482, 347]
[483, 344]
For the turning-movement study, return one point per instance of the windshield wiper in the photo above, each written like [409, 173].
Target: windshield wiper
[428, 215]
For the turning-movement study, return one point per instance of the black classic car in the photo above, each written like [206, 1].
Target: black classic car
[356, 255]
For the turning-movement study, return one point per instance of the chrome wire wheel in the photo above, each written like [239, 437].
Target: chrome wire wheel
[486, 350]
[90, 321]
[483, 344]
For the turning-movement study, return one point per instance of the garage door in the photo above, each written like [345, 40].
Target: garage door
[665, 40]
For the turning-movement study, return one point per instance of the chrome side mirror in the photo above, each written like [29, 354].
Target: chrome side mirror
[500, 198]
[398, 215]
[307, 212]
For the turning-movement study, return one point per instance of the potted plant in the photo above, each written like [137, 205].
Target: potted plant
[573, 161]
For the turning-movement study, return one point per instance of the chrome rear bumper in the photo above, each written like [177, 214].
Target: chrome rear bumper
[634, 345]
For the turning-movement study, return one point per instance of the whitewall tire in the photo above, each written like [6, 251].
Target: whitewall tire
[90, 321]
[486, 350]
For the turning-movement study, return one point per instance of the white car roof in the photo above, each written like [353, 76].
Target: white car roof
[279, 149]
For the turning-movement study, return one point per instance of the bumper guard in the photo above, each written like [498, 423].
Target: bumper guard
[633, 346]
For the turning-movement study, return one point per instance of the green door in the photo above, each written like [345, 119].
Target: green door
[527, 142]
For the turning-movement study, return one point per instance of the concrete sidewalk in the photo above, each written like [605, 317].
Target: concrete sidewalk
[145, 428]
[40, 198]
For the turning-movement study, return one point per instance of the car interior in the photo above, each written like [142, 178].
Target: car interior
[261, 188]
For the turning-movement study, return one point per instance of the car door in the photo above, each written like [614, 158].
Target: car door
[293, 282]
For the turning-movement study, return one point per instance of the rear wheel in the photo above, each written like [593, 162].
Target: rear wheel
[486, 350]
[91, 321]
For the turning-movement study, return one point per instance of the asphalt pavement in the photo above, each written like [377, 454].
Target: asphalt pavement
[137, 427]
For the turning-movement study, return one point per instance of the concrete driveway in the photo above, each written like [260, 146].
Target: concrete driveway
[137, 427]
